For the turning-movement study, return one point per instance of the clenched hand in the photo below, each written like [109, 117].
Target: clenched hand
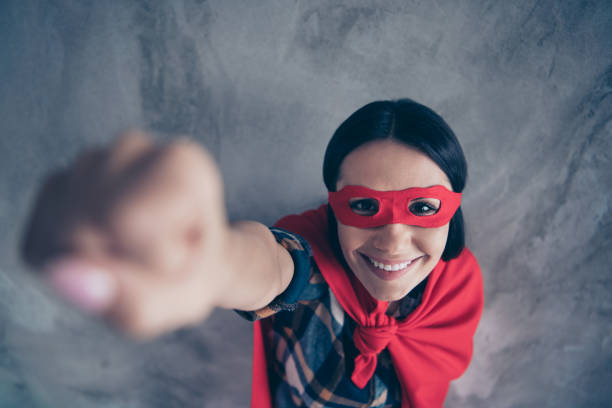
[135, 232]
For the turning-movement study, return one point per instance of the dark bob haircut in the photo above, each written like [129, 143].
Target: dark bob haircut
[415, 125]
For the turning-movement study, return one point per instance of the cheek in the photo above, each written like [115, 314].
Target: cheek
[432, 240]
[351, 238]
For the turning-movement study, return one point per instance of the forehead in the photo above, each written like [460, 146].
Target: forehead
[390, 165]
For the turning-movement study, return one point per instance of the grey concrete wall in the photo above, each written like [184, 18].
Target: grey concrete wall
[527, 86]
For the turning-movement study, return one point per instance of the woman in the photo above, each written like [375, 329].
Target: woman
[370, 301]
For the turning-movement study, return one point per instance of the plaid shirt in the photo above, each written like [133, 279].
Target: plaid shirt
[311, 340]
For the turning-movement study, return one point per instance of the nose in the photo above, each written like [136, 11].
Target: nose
[394, 239]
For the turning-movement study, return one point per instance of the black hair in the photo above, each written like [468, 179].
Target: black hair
[415, 125]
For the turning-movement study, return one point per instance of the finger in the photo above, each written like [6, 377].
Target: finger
[149, 304]
[127, 148]
[137, 302]
[162, 218]
[151, 228]
[159, 251]
[63, 197]
[88, 239]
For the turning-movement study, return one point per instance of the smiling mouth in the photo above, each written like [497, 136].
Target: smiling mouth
[390, 267]
[389, 271]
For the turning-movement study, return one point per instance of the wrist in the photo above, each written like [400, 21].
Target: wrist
[251, 267]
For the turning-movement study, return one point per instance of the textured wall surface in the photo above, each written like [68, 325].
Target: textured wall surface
[526, 85]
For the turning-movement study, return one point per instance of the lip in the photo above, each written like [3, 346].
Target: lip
[389, 275]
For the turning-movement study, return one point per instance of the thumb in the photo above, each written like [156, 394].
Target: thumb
[141, 304]
[84, 283]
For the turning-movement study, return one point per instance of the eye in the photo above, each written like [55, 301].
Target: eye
[364, 206]
[423, 207]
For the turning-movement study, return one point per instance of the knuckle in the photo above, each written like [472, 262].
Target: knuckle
[192, 163]
[127, 151]
[184, 151]
[132, 136]
[130, 140]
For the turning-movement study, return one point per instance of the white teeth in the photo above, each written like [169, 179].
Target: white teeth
[394, 267]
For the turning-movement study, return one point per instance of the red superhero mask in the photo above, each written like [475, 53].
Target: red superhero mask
[362, 207]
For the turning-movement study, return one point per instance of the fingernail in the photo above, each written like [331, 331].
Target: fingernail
[88, 287]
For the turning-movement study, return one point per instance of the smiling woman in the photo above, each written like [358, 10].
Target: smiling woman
[385, 299]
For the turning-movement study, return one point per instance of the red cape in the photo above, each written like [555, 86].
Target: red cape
[429, 348]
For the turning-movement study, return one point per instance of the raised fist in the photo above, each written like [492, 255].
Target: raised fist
[135, 232]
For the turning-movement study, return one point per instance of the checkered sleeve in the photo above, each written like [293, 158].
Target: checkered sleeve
[302, 285]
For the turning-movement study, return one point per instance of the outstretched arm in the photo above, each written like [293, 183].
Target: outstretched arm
[137, 233]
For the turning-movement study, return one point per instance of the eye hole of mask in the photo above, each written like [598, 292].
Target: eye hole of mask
[364, 206]
[422, 207]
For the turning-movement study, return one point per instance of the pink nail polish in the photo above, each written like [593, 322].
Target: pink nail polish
[87, 286]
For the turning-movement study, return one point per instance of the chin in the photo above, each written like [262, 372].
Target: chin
[387, 294]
